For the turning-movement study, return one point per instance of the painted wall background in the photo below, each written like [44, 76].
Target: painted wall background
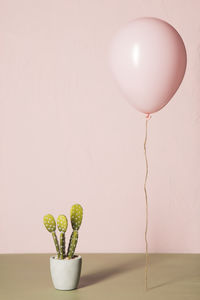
[67, 134]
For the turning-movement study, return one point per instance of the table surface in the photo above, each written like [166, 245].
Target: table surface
[104, 276]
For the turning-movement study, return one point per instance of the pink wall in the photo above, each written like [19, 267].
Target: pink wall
[67, 134]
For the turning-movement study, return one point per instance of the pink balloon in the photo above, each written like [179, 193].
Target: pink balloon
[148, 59]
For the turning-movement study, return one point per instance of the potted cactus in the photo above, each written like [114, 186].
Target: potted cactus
[65, 267]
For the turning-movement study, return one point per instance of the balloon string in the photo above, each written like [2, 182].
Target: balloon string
[146, 201]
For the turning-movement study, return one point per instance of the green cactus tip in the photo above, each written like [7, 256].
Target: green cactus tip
[49, 223]
[62, 223]
[76, 216]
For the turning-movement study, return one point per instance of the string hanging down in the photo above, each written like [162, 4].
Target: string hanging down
[148, 117]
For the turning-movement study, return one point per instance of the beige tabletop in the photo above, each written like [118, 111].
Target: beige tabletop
[104, 276]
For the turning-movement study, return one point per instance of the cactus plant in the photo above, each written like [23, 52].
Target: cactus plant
[76, 215]
[50, 224]
[62, 227]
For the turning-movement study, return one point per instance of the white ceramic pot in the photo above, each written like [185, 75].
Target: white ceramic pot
[65, 273]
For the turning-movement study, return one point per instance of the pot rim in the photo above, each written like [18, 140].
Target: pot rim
[77, 257]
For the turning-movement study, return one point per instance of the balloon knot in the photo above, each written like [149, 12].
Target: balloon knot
[148, 116]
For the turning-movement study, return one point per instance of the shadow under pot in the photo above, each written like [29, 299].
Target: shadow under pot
[65, 273]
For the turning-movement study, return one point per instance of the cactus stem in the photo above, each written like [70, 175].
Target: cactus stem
[72, 244]
[62, 245]
[56, 243]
